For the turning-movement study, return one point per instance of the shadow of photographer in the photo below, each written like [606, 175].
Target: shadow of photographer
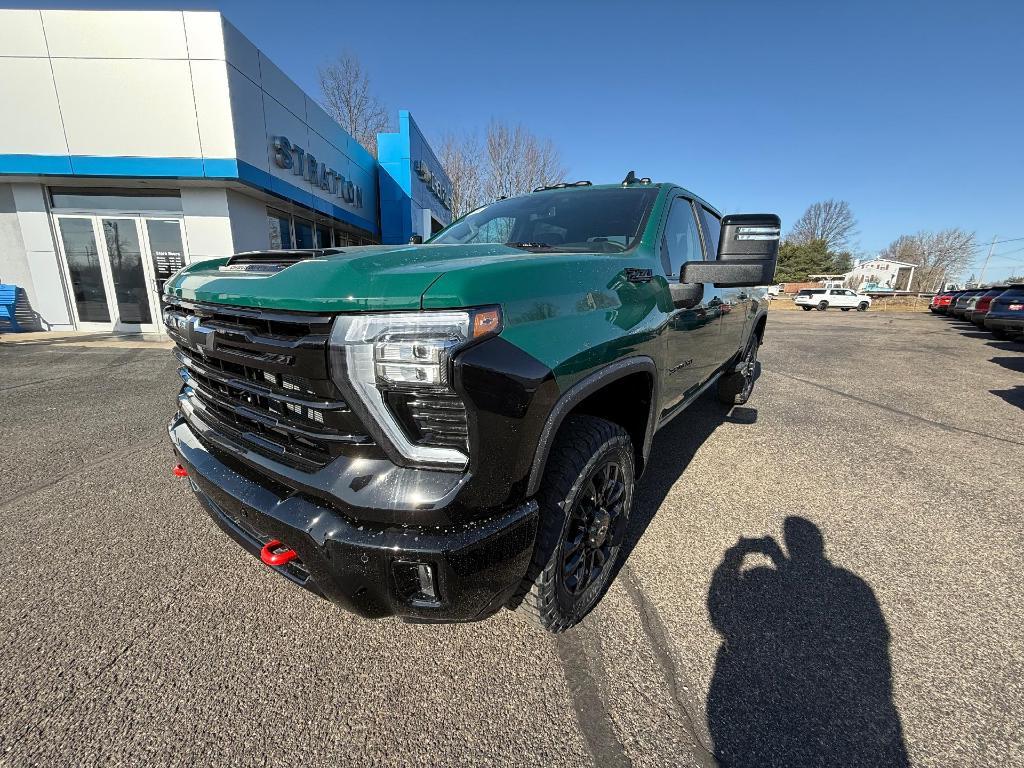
[803, 675]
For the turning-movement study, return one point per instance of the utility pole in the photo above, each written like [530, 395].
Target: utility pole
[981, 280]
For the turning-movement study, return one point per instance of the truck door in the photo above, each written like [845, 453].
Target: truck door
[737, 303]
[692, 343]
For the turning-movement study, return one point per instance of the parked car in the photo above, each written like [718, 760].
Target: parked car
[958, 306]
[940, 302]
[1006, 312]
[981, 306]
[823, 298]
[441, 430]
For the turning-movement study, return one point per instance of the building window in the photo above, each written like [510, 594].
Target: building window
[323, 236]
[114, 199]
[287, 231]
[280, 230]
[304, 233]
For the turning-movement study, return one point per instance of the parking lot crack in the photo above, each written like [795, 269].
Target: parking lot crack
[906, 414]
[658, 638]
[127, 450]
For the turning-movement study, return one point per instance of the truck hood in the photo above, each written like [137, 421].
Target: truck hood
[366, 278]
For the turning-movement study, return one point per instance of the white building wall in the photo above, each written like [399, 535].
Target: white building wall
[166, 84]
[13, 259]
[207, 227]
[41, 256]
[249, 228]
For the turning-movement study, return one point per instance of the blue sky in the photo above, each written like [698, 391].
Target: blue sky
[911, 111]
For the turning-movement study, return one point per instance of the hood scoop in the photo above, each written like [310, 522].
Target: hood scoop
[268, 262]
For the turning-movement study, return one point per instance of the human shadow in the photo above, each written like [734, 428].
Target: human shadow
[803, 675]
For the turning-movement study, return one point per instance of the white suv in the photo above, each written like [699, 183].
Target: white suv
[823, 298]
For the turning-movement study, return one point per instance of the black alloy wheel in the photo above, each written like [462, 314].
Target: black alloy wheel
[584, 499]
[822, 306]
[595, 528]
[735, 389]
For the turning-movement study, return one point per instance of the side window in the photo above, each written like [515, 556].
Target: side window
[680, 241]
[712, 231]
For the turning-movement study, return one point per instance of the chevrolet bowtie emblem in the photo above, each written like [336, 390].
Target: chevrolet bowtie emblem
[199, 336]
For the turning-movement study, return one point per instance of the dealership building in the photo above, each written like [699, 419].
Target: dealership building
[135, 142]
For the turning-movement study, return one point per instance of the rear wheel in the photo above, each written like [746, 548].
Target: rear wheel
[863, 306]
[822, 306]
[735, 388]
[807, 309]
[585, 499]
[1000, 334]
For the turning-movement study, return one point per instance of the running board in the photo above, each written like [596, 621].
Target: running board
[683, 405]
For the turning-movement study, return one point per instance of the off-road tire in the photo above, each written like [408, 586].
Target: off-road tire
[863, 306]
[807, 309]
[822, 306]
[583, 444]
[735, 388]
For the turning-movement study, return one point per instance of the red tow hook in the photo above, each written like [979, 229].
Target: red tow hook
[270, 557]
[180, 471]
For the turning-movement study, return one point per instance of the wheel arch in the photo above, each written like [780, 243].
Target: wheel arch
[624, 392]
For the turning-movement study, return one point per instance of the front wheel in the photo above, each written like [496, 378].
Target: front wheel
[863, 306]
[585, 499]
[822, 306]
[807, 309]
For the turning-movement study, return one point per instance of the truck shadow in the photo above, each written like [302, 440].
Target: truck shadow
[671, 453]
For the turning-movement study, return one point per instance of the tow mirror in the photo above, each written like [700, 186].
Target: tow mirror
[748, 250]
[416, 240]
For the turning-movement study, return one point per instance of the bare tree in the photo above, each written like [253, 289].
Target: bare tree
[349, 100]
[462, 158]
[516, 161]
[830, 221]
[939, 256]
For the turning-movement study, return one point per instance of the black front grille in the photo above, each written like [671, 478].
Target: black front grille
[260, 380]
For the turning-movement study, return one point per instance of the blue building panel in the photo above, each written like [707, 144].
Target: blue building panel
[415, 192]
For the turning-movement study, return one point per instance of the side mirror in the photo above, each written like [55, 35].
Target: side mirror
[748, 250]
[416, 240]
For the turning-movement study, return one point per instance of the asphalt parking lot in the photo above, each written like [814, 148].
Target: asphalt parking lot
[136, 633]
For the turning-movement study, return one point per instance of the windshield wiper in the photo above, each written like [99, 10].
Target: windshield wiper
[529, 245]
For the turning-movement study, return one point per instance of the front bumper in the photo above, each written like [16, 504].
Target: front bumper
[476, 566]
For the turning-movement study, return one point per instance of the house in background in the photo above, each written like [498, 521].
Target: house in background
[881, 275]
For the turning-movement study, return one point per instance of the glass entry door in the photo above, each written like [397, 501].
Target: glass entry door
[117, 265]
[133, 305]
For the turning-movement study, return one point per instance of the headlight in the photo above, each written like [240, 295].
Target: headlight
[395, 369]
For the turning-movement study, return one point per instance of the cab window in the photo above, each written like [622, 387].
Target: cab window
[712, 231]
[680, 241]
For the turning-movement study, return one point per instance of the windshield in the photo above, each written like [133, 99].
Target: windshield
[590, 220]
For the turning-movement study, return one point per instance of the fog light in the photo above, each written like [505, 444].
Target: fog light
[416, 583]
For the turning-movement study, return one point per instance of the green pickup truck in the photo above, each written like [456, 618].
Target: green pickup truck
[439, 430]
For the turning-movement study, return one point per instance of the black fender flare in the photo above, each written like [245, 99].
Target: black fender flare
[762, 315]
[581, 390]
